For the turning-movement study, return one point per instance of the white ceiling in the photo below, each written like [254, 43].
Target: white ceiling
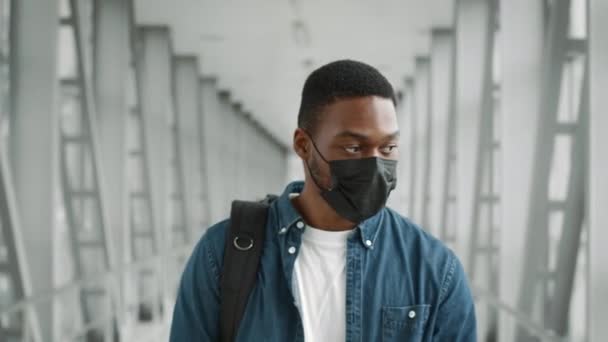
[262, 50]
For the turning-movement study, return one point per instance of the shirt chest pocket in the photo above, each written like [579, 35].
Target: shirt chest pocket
[404, 323]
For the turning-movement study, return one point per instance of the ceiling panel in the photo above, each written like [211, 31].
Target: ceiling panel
[262, 50]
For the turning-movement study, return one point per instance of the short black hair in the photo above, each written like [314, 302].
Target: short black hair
[339, 80]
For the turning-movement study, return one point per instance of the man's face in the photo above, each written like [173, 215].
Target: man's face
[353, 128]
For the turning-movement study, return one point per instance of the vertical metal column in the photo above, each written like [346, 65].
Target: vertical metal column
[412, 150]
[14, 271]
[33, 139]
[399, 197]
[5, 64]
[597, 186]
[245, 154]
[203, 166]
[271, 164]
[422, 73]
[482, 249]
[179, 235]
[558, 316]
[535, 244]
[251, 160]
[253, 186]
[83, 186]
[111, 64]
[212, 137]
[226, 159]
[231, 131]
[266, 160]
[280, 152]
[441, 66]
[252, 171]
[522, 29]
[472, 31]
[186, 101]
[240, 152]
[205, 188]
[448, 196]
[275, 165]
[143, 238]
[428, 146]
[12, 264]
[156, 107]
[260, 163]
[283, 155]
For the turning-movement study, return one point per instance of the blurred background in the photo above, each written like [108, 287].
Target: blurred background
[128, 126]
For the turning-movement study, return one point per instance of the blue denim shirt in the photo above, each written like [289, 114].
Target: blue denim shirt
[401, 284]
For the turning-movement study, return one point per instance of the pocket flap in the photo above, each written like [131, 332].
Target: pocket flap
[411, 317]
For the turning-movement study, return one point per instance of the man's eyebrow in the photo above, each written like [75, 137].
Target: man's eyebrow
[351, 134]
[360, 136]
[394, 135]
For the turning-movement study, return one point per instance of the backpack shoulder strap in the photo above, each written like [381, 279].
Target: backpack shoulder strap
[244, 244]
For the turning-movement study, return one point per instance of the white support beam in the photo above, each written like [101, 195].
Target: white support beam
[188, 113]
[253, 162]
[399, 197]
[255, 170]
[204, 189]
[521, 30]
[472, 32]
[241, 178]
[419, 127]
[448, 197]
[598, 169]
[156, 105]
[411, 124]
[558, 318]
[246, 154]
[33, 140]
[441, 74]
[281, 169]
[17, 270]
[261, 163]
[111, 65]
[231, 131]
[226, 158]
[212, 137]
[535, 252]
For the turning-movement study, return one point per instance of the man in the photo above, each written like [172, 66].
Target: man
[337, 265]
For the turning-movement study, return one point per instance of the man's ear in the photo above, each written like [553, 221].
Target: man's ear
[300, 144]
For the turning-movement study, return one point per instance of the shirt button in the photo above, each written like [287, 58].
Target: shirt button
[412, 314]
[368, 243]
[283, 230]
[291, 250]
[300, 224]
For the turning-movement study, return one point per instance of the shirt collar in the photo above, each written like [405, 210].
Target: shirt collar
[288, 217]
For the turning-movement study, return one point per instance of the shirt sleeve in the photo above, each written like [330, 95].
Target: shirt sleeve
[456, 314]
[196, 312]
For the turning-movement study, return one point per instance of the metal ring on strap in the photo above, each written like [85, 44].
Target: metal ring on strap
[235, 242]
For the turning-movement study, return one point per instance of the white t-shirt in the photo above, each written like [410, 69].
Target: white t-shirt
[319, 284]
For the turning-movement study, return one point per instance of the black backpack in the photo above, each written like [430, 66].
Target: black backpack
[244, 245]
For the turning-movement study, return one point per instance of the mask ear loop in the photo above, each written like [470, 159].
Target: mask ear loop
[314, 179]
[315, 146]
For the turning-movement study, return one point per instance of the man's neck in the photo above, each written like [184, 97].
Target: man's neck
[316, 212]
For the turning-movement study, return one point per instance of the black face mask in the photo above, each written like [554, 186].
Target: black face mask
[359, 187]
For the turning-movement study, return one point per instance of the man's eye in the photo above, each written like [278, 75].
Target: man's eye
[352, 149]
[388, 149]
